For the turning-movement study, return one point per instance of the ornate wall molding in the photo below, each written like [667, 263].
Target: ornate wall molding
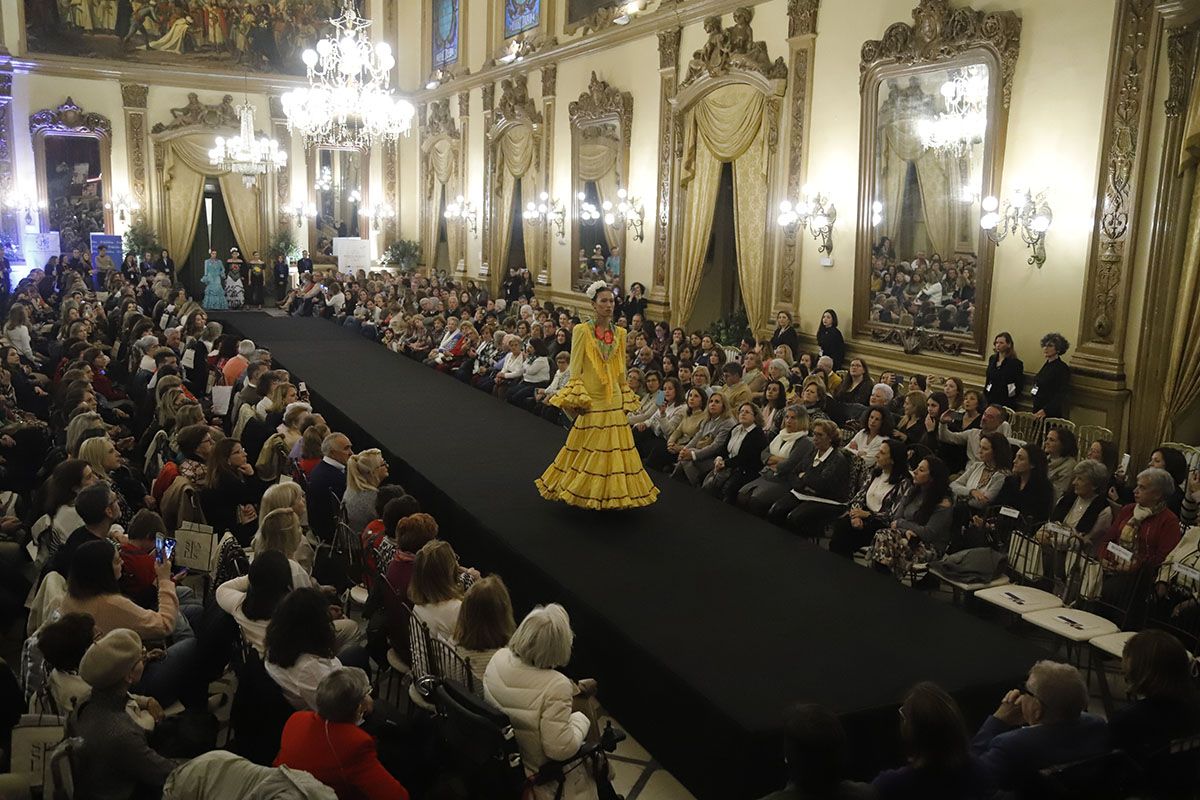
[133, 96]
[549, 87]
[464, 127]
[732, 49]
[437, 120]
[1168, 239]
[939, 32]
[802, 29]
[208, 115]
[10, 225]
[668, 72]
[602, 100]
[486, 210]
[1132, 69]
[70, 118]
[515, 104]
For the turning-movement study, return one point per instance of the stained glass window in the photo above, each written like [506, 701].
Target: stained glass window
[521, 15]
[445, 33]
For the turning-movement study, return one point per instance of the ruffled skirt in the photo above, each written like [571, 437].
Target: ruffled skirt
[599, 467]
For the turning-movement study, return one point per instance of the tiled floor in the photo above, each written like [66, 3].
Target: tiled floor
[639, 777]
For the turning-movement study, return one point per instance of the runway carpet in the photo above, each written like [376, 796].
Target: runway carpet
[702, 623]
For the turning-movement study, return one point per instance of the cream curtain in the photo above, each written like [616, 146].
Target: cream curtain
[185, 166]
[1182, 390]
[901, 146]
[514, 166]
[598, 164]
[723, 126]
[442, 186]
[750, 226]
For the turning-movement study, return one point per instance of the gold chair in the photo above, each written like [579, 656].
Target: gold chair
[1056, 423]
[1086, 434]
[1026, 427]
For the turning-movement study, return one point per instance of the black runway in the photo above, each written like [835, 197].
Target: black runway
[701, 622]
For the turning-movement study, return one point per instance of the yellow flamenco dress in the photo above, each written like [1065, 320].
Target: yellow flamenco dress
[599, 467]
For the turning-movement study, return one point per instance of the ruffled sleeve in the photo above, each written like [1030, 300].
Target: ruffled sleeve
[572, 396]
[630, 401]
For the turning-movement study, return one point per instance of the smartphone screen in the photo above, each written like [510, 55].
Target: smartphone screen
[302, 387]
[158, 548]
[659, 398]
[168, 549]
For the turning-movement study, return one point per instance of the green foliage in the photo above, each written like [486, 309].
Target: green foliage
[731, 329]
[402, 253]
[141, 238]
[284, 243]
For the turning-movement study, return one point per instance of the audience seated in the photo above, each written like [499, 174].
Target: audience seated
[807, 508]
[1041, 724]
[939, 762]
[328, 743]
[523, 681]
[327, 484]
[485, 623]
[115, 761]
[365, 472]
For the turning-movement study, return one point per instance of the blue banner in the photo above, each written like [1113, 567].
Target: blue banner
[113, 245]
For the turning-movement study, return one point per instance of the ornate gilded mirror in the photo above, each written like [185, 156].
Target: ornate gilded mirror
[935, 98]
[600, 136]
[338, 182]
[72, 153]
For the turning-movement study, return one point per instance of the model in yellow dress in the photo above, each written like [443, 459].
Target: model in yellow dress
[599, 467]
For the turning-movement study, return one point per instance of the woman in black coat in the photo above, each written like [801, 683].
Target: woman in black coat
[1050, 386]
[785, 333]
[231, 497]
[829, 338]
[1005, 373]
[742, 459]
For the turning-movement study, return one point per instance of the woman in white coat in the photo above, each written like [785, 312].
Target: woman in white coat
[523, 681]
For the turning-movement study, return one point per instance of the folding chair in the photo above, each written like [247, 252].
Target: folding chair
[453, 667]
[422, 664]
[1107, 613]
[1023, 569]
[1086, 434]
[1026, 427]
[1057, 423]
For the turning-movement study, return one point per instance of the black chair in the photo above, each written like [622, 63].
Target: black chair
[258, 713]
[1111, 776]
[482, 747]
[451, 666]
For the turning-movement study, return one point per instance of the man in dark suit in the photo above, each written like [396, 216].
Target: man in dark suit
[327, 484]
[1039, 725]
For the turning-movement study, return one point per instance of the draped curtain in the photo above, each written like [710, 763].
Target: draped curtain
[598, 164]
[514, 166]
[443, 182]
[726, 125]
[902, 146]
[185, 166]
[1181, 393]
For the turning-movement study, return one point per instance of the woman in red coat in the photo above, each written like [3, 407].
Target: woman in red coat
[330, 745]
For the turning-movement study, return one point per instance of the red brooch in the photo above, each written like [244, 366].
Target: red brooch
[606, 337]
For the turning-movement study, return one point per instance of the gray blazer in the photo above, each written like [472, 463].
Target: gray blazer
[798, 459]
[718, 430]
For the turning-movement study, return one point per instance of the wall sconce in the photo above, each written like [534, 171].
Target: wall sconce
[382, 211]
[462, 211]
[627, 212]
[23, 203]
[125, 206]
[1026, 213]
[547, 211]
[814, 211]
[299, 210]
[876, 214]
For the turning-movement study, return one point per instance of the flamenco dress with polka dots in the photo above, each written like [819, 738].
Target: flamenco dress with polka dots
[599, 467]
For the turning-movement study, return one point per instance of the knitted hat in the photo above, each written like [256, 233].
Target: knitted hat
[110, 658]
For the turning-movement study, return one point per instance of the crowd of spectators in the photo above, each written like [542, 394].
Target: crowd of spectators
[129, 418]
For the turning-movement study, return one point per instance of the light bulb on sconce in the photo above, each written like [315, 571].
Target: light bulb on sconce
[125, 207]
[627, 212]
[380, 213]
[547, 211]
[462, 211]
[23, 203]
[876, 214]
[298, 210]
[817, 213]
[1026, 213]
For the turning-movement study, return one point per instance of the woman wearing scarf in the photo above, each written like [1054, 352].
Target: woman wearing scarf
[1140, 538]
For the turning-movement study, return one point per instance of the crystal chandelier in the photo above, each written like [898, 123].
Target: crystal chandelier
[348, 102]
[964, 122]
[246, 155]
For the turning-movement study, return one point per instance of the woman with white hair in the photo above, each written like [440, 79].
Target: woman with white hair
[523, 681]
[365, 471]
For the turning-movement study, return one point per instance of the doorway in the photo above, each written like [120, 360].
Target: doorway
[213, 231]
[720, 294]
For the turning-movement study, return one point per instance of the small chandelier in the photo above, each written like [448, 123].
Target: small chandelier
[246, 155]
[814, 211]
[627, 212]
[462, 211]
[547, 212]
[348, 102]
[1028, 214]
[964, 122]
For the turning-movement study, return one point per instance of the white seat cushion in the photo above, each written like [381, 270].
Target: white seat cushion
[1070, 624]
[397, 663]
[1112, 643]
[1019, 599]
[359, 595]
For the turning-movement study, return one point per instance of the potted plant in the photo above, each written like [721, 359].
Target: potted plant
[402, 253]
